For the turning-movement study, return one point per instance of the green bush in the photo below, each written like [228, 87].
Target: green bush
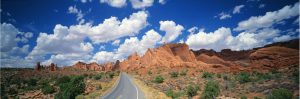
[192, 90]
[71, 89]
[172, 94]
[44, 82]
[225, 77]
[296, 76]
[183, 73]
[97, 76]
[64, 79]
[149, 72]
[32, 82]
[110, 74]
[12, 91]
[80, 97]
[207, 75]
[257, 76]
[174, 74]
[47, 89]
[280, 94]
[219, 75]
[158, 79]
[243, 97]
[211, 90]
[256, 97]
[243, 77]
[99, 87]
[274, 71]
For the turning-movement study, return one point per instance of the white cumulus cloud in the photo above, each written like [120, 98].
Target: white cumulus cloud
[130, 46]
[172, 30]
[237, 9]
[223, 38]
[68, 42]
[10, 52]
[223, 16]
[140, 4]
[269, 19]
[115, 3]
[79, 14]
[116, 42]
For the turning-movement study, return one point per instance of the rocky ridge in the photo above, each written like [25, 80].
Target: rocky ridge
[179, 55]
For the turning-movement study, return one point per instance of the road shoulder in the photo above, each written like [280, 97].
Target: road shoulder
[150, 93]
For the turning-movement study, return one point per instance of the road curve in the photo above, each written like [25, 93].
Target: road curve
[125, 89]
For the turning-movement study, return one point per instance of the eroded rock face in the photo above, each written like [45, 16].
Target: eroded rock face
[81, 65]
[38, 66]
[169, 55]
[96, 67]
[226, 54]
[274, 57]
[179, 56]
[52, 67]
[212, 60]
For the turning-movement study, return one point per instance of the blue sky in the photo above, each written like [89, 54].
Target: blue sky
[67, 31]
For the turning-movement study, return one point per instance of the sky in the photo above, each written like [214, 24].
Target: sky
[67, 31]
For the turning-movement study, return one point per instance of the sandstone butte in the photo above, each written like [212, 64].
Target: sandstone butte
[271, 56]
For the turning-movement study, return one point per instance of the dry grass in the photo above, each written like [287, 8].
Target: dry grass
[106, 87]
[150, 93]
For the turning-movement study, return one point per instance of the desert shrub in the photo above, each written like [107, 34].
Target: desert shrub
[85, 75]
[230, 85]
[243, 77]
[16, 80]
[2, 88]
[47, 89]
[225, 77]
[99, 87]
[149, 72]
[256, 97]
[64, 79]
[207, 75]
[80, 97]
[44, 82]
[158, 79]
[172, 94]
[110, 74]
[71, 89]
[257, 76]
[97, 76]
[243, 97]
[280, 94]
[183, 73]
[32, 82]
[211, 90]
[192, 90]
[174, 74]
[274, 71]
[12, 91]
[295, 76]
[219, 75]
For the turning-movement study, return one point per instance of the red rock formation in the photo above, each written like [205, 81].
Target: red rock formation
[274, 57]
[169, 55]
[97, 67]
[94, 66]
[226, 54]
[80, 65]
[179, 56]
[213, 60]
[38, 66]
[52, 67]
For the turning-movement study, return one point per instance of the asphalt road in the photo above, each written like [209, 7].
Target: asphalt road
[125, 89]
